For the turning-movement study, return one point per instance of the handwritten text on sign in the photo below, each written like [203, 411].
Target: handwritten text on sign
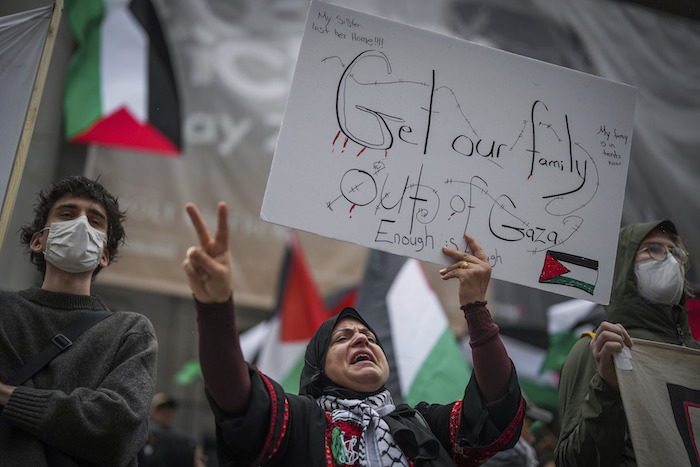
[402, 140]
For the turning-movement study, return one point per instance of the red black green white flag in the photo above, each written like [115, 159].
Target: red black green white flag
[120, 88]
[572, 270]
[426, 361]
[277, 346]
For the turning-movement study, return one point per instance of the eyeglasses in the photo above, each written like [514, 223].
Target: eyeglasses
[658, 252]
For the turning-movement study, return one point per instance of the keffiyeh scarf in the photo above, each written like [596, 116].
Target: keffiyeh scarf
[376, 446]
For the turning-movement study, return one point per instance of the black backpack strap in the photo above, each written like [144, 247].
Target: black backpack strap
[58, 344]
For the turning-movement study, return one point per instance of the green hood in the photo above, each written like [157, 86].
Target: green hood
[644, 320]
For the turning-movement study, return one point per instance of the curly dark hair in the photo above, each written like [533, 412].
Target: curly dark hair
[81, 187]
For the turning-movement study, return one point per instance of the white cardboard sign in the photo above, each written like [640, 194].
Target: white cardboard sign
[400, 139]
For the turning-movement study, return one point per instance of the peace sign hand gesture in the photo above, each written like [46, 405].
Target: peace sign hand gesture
[208, 267]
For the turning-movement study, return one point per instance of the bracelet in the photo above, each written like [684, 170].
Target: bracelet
[472, 305]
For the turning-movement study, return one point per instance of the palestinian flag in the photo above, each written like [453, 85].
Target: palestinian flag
[539, 354]
[120, 88]
[425, 359]
[277, 346]
[570, 270]
[566, 322]
[528, 355]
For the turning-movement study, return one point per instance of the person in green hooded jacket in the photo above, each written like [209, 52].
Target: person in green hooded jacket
[647, 302]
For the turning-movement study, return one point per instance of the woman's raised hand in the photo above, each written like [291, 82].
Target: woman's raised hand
[473, 271]
[208, 266]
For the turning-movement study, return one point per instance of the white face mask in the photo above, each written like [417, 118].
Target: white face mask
[660, 281]
[74, 246]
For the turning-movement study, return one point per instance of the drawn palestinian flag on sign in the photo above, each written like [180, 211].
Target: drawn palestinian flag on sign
[570, 270]
[120, 88]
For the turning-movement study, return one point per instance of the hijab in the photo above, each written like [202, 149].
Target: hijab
[314, 381]
[407, 426]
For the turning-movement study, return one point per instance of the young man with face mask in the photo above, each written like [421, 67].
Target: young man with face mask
[647, 302]
[90, 403]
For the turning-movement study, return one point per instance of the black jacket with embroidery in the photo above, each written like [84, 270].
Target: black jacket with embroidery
[280, 429]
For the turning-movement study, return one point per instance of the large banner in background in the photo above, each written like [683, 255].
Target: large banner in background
[402, 140]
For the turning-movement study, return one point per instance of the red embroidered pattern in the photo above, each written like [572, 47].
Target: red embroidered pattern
[329, 440]
[273, 418]
[472, 457]
[348, 428]
[283, 430]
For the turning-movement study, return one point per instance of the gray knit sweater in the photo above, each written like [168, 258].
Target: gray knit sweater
[90, 405]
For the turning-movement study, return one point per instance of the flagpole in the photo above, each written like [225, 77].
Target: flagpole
[30, 120]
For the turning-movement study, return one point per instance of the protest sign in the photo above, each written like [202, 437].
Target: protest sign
[402, 140]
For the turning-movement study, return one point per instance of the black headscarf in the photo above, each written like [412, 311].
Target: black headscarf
[314, 380]
[409, 429]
